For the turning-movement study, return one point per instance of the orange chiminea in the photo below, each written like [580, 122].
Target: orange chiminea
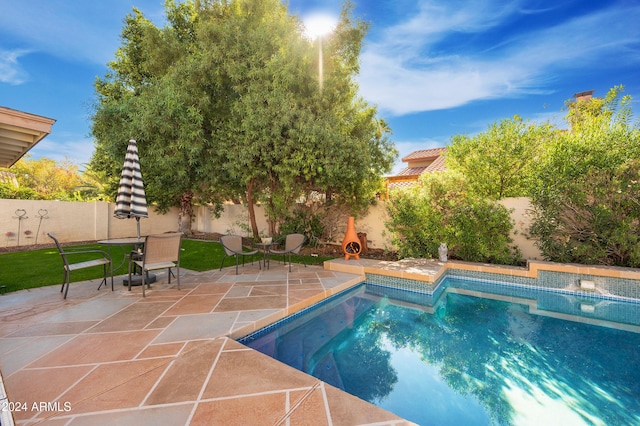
[351, 242]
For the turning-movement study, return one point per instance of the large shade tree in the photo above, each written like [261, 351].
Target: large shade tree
[225, 103]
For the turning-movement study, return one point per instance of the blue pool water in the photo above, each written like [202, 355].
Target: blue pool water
[480, 354]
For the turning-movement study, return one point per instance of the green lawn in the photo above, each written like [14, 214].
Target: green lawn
[39, 268]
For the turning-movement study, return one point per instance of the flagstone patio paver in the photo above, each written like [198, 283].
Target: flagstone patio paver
[103, 357]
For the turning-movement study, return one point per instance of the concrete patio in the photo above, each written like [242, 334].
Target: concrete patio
[103, 357]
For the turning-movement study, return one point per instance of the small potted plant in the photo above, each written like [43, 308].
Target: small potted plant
[264, 239]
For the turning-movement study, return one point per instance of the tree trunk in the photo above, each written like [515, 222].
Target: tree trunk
[272, 227]
[186, 212]
[252, 211]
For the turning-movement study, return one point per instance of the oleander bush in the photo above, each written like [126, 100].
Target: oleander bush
[440, 209]
[586, 190]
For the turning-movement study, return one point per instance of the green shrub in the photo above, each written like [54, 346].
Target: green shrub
[594, 219]
[586, 190]
[9, 191]
[303, 221]
[439, 209]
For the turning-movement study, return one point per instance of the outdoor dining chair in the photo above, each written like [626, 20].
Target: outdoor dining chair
[232, 245]
[101, 258]
[292, 245]
[160, 252]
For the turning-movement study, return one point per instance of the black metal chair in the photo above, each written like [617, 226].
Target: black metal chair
[104, 259]
[232, 245]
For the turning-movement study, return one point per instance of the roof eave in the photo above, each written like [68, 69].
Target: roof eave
[19, 132]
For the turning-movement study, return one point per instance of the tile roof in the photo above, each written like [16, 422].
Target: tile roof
[424, 154]
[408, 176]
[412, 171]
[438, 165]
[402, 184]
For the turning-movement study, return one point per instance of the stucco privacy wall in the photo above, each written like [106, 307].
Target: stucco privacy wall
[520, 214]
[76, 221]
[72, 221]
[235, 219]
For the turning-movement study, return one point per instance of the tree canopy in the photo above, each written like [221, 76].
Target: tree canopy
[225, 104]
[497, 163]
[47, 179]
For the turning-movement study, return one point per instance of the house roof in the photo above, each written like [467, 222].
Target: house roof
[408, 176]
[438, 164]
[19, 132]
[403, 184]
[424, 154]
[411, 171]
[435, 154]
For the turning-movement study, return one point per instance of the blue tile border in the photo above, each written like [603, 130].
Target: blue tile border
[401, 283]
[605, 287]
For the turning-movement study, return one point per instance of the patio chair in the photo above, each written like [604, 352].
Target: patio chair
[101, 258]
[160, 252]
[232, 245]
[292, 245]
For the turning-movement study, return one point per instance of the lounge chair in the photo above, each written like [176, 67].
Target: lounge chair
[102, 258]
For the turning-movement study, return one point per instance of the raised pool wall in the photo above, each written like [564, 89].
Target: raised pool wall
[425, 276]
[550, 289]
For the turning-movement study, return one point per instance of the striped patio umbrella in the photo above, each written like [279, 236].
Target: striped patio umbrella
[131, 200]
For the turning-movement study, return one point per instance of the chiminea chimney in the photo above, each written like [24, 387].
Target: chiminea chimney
[351, 244]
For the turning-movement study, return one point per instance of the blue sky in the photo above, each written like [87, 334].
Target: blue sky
[434, 68]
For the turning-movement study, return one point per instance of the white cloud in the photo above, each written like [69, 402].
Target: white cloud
[436, 20]
[84, 31]
[405, 70]
[10, 70]
[64, 147]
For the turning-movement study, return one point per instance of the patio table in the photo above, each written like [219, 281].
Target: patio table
[264, 248]
[137, 244]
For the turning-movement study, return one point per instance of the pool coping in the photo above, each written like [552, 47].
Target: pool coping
[429, 270]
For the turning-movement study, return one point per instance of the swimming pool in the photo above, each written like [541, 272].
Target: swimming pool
[480, 353]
